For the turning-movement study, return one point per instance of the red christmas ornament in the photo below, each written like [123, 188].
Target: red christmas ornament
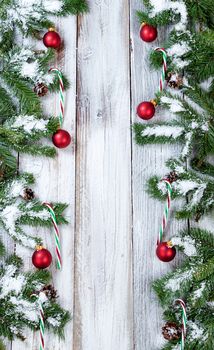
[165, 251]
[148, 33]
[61, 138]
[146, 110]
[41, 258]
[52, 39]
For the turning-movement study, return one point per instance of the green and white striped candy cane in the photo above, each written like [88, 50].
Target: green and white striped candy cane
[184, 323]
[61, 94]
[41, 325]
[39, 302]
[166, 210]
[164, 68]
[56, 235]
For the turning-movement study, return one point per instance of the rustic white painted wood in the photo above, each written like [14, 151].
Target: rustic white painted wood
[9, 246]
[147, 212]
[103, 259]
[108, 247]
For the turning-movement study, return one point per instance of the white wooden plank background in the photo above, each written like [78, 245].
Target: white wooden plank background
[108, 247]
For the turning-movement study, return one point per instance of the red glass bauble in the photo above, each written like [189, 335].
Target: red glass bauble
[148, 33]
[52, 39]
[61, 138]
[41, 258]
[146, 110]
[165, 252]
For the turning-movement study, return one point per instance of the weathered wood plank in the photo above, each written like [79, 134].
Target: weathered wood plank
[103, 260]
[56, 182]
[101, 264]
[9, 247]
[147, 212]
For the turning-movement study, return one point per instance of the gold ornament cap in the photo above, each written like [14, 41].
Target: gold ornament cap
[154, 102]
[142, 24]
[51, 29]
[39, 247]
[169, 244]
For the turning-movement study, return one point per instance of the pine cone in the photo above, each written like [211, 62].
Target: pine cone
[28, 194]
[2, 173]
[50, 292]
[37, 34]
[174, 80]
[39, 52]
[172, 176]
[171, 331]
[198, 216]
[40, 89]
[21, 336]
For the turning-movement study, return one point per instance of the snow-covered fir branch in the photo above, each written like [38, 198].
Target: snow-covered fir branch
[190, 124]
[15, 211]
[169, 131]
[24, 79]
[187, 244]
[190, 183]
[176, 7]
[186, 48]
[28, 14]
[19, 293]
[28, 64]
[186, 124]
[28, 124]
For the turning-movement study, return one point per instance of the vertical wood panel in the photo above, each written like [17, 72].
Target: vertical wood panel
[9, 247]
[103, 261]
[147, 212]
[56, 182]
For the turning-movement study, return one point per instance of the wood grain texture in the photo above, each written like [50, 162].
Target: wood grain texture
[103, 260]
[147, 213]
[109, 245]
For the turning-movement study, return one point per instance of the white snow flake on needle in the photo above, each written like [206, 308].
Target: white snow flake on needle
[163, 130]
[11, 283]
[29, 123]
[52, 6]
[174, 105]
[30, 70]
[178, 7]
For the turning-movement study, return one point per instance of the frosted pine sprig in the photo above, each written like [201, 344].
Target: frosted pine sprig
[169, 131]
[29, 124]
[37, 16]
[177, 8]
[15, 212]
[19, 293]
[158, 133]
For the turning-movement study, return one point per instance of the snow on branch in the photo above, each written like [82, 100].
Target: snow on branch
[177, 7]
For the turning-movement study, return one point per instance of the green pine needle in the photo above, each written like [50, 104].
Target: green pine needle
[2, 346]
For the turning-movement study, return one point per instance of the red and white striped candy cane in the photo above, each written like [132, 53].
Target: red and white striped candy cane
[41, 325]
[39, 302]
[61, 94]
[184, 323]
[164, 68]
[56, 235]
[166, 210]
